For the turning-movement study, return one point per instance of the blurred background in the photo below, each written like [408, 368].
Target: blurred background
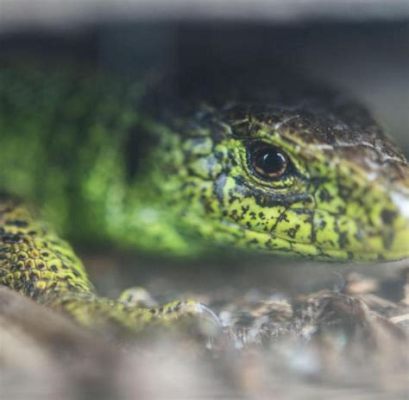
[359, 45]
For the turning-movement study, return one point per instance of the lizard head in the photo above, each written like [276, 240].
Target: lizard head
[315, 178]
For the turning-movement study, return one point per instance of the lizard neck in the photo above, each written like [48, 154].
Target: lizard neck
[147, 212]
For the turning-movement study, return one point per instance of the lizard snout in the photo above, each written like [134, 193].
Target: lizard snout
[397, 221]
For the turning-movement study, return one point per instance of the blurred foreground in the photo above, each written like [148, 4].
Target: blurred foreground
[347, 343]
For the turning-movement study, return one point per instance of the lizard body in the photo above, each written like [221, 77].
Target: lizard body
[285, 168]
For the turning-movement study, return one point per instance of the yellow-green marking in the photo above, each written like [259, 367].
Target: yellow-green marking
[277, 167]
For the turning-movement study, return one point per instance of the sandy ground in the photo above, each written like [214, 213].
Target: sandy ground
[313, 336]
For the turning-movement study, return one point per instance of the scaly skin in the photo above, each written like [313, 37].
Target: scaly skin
[139, 167]
[36, 263]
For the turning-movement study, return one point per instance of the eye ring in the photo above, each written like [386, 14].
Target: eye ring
[267, 161]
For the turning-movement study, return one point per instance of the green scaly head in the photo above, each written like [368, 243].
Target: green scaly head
[310, 174]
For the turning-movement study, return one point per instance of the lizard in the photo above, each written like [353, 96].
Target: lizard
[280, 166]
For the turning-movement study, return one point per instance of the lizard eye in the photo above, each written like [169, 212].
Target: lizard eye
[267, 161]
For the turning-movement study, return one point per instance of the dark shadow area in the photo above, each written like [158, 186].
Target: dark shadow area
[369, 60]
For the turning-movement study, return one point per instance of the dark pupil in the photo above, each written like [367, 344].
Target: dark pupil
[269, 161]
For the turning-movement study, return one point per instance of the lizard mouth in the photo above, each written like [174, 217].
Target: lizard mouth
[399, 248]
[378, 232]
[388, 240]
[366, 252]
